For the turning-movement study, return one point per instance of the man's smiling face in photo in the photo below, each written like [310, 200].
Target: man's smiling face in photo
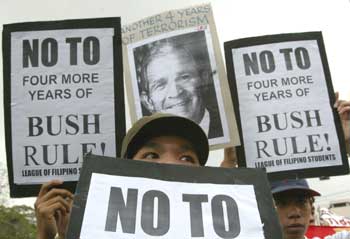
[174, 84]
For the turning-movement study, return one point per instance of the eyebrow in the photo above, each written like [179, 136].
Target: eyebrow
[153, 145]
[157, 81]
[188, 72]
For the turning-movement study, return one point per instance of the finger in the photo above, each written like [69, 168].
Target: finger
[50, 210]
[63, 193]
[336, 99]
[47, 186]
[343, 110]
[64, 201]
[49, 207]
[229, 150]
[59, 215]
[343, 103]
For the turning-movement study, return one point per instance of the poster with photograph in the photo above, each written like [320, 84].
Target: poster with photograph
[64, 97]
[135, 199]
[282, 87]
[174, 65]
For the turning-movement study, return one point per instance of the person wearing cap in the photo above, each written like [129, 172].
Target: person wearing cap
[159, 138]
[293, 200]
[149, 136]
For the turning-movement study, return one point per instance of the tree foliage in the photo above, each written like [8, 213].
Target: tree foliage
[4, 187]
[17, 222]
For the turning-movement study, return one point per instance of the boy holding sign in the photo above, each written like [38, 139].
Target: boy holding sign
[150, 139]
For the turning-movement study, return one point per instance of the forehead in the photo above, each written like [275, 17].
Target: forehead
[165, 144]
[176, 57]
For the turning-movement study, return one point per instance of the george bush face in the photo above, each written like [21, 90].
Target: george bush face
[174, 85]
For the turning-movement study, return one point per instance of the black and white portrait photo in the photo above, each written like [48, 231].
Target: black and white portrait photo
[176, 75]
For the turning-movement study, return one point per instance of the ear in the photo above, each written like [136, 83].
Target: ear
[204, 84]
[205, 75]
[206, 81]
[147, 102]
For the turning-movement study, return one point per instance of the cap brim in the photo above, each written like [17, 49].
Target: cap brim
[291, 188]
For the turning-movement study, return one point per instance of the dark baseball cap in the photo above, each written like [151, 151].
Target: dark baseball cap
[292, 184]
[161, 124]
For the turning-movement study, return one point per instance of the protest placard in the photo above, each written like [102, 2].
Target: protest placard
[329, 218]
[282, 86]
[173, 64]
[63, 94]
[134, 199]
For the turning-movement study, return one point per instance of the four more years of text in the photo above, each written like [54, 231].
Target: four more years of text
[37, 81]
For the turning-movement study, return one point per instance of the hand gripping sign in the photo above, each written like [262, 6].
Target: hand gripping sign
[64, 97]
[282, 90]
[135, 199]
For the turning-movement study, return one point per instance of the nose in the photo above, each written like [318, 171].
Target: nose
[295, 212]
[174, 89]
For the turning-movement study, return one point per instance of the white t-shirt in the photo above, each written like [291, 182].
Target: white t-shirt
[339, 235]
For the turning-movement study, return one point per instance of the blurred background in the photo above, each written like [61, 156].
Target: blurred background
[234, 19]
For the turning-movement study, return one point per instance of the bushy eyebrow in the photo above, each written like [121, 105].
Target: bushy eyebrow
[157, 81]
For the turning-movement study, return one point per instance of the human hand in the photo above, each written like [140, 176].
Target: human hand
[230, 158]
[52, 210]
[343, 108]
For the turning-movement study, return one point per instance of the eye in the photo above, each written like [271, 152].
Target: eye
[280, 202]
[158, 85]
[187, 158]
[185, 76]
[302, 201]
[150, 155]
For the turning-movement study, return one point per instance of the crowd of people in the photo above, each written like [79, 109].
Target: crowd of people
[150, 139]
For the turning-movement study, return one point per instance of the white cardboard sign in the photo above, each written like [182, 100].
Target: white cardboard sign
[169, 209]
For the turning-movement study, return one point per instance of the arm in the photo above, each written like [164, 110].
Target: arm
[230, 158]
[52, 210]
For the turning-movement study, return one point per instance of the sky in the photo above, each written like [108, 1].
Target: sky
[234, 19]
